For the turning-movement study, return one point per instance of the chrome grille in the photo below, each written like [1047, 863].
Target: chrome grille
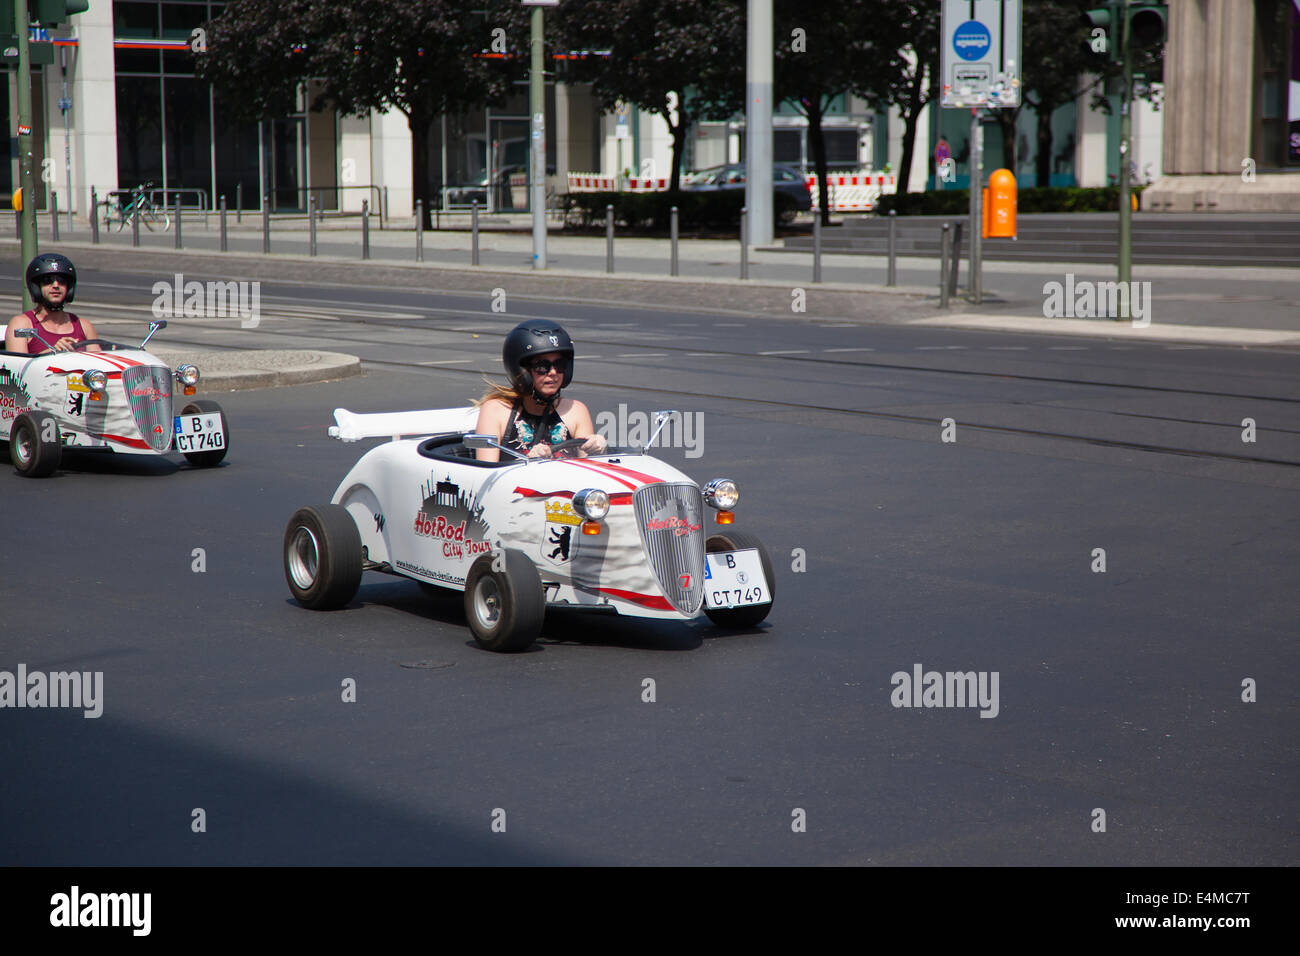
[149, 389]
[671, 521]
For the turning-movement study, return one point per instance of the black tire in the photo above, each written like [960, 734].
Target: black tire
[505, 608]
[322, 557]
[752, 614]
[207, 459]
[33, 456]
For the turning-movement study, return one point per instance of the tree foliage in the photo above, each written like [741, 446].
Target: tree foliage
[681, 59]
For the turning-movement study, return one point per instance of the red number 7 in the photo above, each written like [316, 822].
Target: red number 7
[686, 580]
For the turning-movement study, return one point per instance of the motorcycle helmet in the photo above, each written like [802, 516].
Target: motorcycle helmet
[531, 338]
[50, 264]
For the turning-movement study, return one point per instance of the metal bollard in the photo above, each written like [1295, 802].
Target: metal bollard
[609, 238]
[817, 248]
[239, 203]
[225, 241]
[135, 229]
[954, 261]
[266, 223]
[473, 219]
[311, 225]
[891, 277]
[54, 215]
[744, 242]
[672, 228]
[179, 243]
[945, 247]
[419, 230]
[18, 226]
[365, 229]
[94, 217]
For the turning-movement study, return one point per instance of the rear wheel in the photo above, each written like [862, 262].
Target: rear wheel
[208, 459]
[750, 614]
[35, 445]
[504, 607]
[322, 557]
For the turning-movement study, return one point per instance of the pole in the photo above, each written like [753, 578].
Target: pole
[609, 238]
[744, 242]
[225, 239]
[672, 223]
[976, 205]
[26, 160]
[537, 106]
[135, 228]
[311, 225]
[239, 203]
[954, 261]
[178, 221]
[94, 217]
[266, 223]
[1125, 135]
[64, 105]
[817, 249]
[419, 230]
[54, 215]
[758, 119]
[473, 220]
[944, 250]
[365, 229]
[891, 277]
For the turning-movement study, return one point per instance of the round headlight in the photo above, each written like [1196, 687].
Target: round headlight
[721, 493]
[95, 380]
[591, 503]
[187, 374]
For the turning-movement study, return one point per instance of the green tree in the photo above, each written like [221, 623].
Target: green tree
[906, 74]
[683, 60]
[420, 57]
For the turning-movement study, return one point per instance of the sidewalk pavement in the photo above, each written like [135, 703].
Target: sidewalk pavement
[1222, 307]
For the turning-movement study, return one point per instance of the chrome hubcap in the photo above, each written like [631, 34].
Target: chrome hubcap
[487, 602]
[304, 556]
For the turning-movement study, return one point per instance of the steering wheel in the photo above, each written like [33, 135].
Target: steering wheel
[567, 448]
[104, 344]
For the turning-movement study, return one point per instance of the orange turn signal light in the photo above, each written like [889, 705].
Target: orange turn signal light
[726, 517]
[189, 390]
[591, 527]
[96, 396]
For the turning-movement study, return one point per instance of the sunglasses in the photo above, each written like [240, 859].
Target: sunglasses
[50, 280]
[542, 366]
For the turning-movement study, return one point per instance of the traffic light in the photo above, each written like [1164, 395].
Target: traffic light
[1146, 26]
[50, 13]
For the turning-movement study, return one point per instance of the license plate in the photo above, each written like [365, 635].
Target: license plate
[734, 579]
[199, 433]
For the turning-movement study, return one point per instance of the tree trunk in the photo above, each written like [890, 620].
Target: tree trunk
[420, 123]
[679, 145]
[1043, 162]
[910, 119]
[1006, 120]
[814, 111]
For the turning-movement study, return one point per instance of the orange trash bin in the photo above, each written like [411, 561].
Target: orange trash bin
[1000, 205]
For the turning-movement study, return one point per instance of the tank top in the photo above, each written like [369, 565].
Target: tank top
[524, 430]
[35, 346]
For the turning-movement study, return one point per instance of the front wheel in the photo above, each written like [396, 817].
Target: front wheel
[208, 459]
[751, 614]
[35, 445]
[155, 217]
[504, 601]
[322, 557]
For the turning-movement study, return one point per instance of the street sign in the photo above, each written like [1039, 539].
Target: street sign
[622, 114]
[980, 54]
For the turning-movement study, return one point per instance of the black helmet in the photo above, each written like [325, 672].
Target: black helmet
[535, 337]
[51, 264]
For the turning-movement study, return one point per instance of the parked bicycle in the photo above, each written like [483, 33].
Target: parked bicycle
[136, 203]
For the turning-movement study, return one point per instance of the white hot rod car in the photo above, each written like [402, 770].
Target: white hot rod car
[617, 531]
[117, 399]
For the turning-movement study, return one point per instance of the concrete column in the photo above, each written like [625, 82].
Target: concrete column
[562, 169]
[94, 107]
[1091, 143]
[390, 160]
[354, 159]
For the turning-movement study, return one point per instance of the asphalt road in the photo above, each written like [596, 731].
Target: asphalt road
[1119, 691]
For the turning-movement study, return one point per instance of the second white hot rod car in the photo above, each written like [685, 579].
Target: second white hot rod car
[618, 531]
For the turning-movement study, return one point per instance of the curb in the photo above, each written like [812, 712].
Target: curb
[1109, 328]
[230, 371]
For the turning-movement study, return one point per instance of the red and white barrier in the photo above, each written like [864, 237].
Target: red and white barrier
[591, 183]
[853, 192]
